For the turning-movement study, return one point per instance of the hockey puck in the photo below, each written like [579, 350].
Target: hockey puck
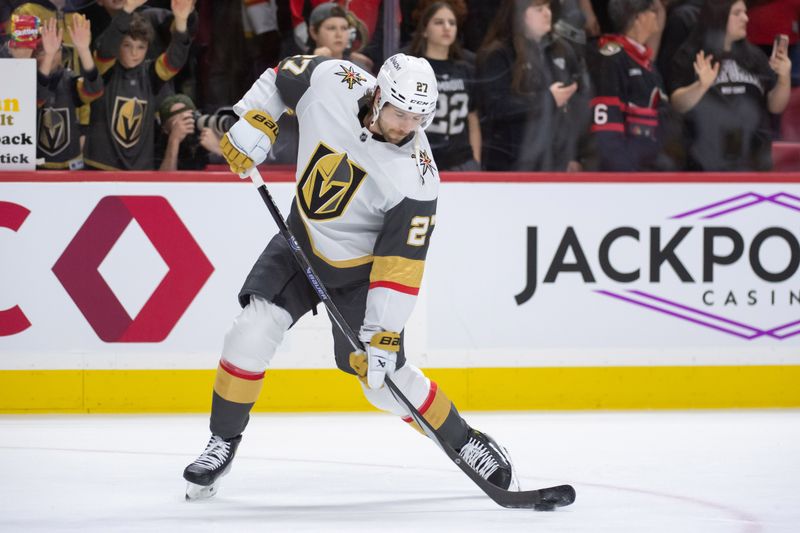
[544, 506]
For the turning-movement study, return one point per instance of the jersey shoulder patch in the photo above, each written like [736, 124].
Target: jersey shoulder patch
[349, 75]
[610, 49]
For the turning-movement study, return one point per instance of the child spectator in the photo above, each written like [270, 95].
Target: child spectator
[60, 92]
[454, 134]
[528, 78]
[726, 88]
[330, 35]
[629, 94]
[121, 133]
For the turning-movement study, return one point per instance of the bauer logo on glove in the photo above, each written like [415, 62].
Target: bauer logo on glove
[380, 359]
[387, 342]
[265, 123]
[248, 142]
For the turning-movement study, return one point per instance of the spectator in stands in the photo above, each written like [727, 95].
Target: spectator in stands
[121, 133]
[364, 17]
[178, 145]
[454, 134]
[225, 70]
[769, 18]
[103, 12]
[480, 14]
[262, 38]
[681, 21]
[572, 24]
[629, 94]
[528, 78]
[60, 92]
[725, 88]
[330, 35]
[6, 7]
[100, 14]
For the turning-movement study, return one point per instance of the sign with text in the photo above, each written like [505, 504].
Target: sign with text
[18, 114]
[619, 273]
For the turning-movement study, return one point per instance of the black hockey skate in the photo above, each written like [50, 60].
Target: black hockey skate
[215, 461]
[488, 459]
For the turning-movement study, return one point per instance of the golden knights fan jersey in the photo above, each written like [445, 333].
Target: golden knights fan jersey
[364, 208]
[121, 133]
[58, 97]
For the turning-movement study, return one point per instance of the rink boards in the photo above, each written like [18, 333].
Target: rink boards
[540, 292]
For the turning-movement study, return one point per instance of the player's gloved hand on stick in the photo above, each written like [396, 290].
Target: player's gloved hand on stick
[380, 359]
[247, 143]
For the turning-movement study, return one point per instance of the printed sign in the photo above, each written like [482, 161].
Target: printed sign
[18, 114]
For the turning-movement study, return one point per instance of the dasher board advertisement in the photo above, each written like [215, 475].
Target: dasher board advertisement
[616, 273]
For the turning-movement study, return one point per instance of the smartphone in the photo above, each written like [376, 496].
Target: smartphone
[780, 44]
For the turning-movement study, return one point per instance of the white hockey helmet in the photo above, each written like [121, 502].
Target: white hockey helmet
[408, 83]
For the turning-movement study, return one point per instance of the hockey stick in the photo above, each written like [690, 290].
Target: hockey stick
[545, 499]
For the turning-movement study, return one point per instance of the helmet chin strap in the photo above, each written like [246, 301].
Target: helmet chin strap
[375, 111]
[417, 156]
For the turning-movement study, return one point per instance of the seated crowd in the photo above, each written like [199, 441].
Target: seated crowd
[524, 85]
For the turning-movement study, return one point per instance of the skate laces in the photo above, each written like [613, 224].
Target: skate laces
[215, 454]
[478, 456]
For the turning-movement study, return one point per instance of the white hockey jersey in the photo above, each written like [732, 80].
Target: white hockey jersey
[364, 208]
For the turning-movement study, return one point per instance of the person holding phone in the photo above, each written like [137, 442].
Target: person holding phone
[726, 87]
[771, 21]
[530, 103]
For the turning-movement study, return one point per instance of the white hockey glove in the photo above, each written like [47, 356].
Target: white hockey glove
[248, 142]
[380, 359]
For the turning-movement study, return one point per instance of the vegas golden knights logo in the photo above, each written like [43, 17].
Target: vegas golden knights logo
[128, 120]
[328, 184]
[54, 134]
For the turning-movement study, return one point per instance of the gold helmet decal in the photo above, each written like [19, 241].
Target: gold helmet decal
[54, 134]
[328, 184]
[128, 120]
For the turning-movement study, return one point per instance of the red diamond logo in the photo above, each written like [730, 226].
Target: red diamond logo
[77, 269]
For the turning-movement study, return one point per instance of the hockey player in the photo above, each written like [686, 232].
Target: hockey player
[364, 212]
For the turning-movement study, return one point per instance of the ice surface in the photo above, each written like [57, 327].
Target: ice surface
[638, 472]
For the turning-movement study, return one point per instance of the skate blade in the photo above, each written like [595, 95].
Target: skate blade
[199, 492]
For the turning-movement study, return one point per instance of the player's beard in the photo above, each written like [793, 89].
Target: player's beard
[393, 135]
